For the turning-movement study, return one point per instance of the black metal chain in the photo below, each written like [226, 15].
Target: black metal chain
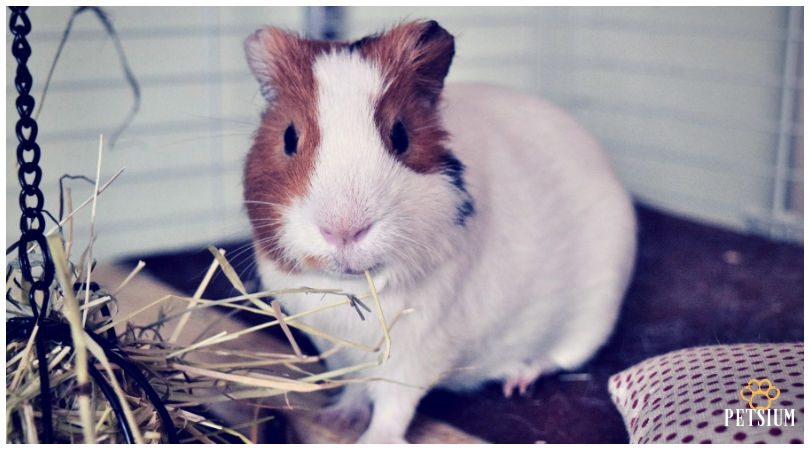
[32, 222]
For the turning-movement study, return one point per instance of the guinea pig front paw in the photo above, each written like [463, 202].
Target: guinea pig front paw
[371, 437]
[345, 415]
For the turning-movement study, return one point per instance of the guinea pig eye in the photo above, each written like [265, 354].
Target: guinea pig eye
[399, 137]
[290, 140]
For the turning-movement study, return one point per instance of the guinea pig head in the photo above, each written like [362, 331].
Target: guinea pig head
[349, 170]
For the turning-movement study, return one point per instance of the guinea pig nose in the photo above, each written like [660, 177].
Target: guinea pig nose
[340, 238]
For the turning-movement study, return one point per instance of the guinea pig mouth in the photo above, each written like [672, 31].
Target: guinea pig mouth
[346, 269]
[353, 272]
[351, 263]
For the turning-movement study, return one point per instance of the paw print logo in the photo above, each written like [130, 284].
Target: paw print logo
[762, 387]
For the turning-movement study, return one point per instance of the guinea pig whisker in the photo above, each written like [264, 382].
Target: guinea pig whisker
[263, 203]
[268, 205]
[422, 128]
[270, 220]
[410, 240]
[241, 250]
[266, 225]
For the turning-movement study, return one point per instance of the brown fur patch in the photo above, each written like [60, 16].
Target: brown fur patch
[272, 178]
[414, 59]
[314, 262]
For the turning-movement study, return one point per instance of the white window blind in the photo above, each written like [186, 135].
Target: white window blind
[184, 149]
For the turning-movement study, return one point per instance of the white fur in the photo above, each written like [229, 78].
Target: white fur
[531, 284]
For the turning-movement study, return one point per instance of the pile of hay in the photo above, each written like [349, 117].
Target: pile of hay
[114, 388]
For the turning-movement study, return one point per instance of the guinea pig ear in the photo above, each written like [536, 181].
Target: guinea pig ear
[417, 54]
[432, 52]
[435, 51]
[264, 51]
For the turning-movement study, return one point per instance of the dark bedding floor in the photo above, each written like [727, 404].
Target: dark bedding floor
[693, 285]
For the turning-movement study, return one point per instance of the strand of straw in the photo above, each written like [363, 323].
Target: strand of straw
[283, 323]
[290, 385]
[98, 352]
[227, 269]
[24, 358]
[92, 230]
[29, 426]
[59, 357]
[71, 307]
[198, 294]
[382, 318]
[129, 277]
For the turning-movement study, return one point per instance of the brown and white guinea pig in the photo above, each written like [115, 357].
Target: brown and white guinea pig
[491, 214]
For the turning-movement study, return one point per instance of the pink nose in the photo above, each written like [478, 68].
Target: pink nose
[341, 238]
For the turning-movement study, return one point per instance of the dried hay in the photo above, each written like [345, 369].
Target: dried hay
[100, 395]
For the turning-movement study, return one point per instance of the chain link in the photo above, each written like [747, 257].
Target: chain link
[32, 222]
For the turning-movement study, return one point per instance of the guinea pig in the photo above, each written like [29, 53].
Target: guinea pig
[489, 214]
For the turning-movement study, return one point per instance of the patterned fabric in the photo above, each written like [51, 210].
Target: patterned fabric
[747, 393]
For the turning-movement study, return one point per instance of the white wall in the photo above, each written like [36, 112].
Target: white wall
[688, 102]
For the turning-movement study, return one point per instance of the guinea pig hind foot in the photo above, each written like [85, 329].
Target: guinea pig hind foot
[526, 375]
